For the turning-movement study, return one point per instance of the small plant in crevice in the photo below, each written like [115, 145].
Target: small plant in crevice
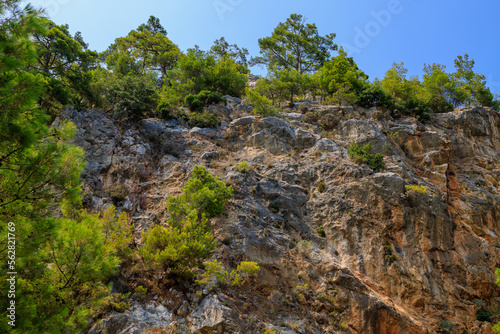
[415, 190]
[446, 326]
[321, 232]
[243, 167]
[483, 313]
[216, 274]
[388, 256]
[275, 208]
[321, 186]
[363, 155]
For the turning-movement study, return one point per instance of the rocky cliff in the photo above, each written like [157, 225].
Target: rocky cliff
[388, 261]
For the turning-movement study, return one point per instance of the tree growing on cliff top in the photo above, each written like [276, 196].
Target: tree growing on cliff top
[295, 45]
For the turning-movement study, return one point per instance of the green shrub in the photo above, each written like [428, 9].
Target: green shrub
[203, 120]
[249, 268]
[415, 107]
[363, 155]
[215, 274]
[321, 232]
[202, 99]
[133, 94]
[178, 251]
[374, 96]
[321, 186]
[261, 104]
[204, 193]
[165, 111]
[243, 167]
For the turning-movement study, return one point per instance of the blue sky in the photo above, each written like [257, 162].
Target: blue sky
[376, 32]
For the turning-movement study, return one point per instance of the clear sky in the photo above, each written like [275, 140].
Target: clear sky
[375, 32]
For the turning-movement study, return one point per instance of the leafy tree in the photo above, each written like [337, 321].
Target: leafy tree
[147, 48]
[470, 87]
[222, 48]
[295, 45]
[61, 263]
[373, 95]
[438, 88]
[153, 25]
[135, 95]
[182, 247]
[397, 85]
[66, 63]
[342, 75]
[204, 193]
[261, 105]
[180, 250]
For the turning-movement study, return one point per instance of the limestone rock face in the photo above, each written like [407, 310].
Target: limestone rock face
[274, 134]
[342, 248]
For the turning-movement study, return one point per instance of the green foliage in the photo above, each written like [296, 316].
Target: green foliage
[363, 155]
[483, 314]
[321, 186]
[204, 193]
[340, 79]
[446, 325]
[321, 232]
[203, 119]
[165, 110]
[373, 95]
[143, 50]
[388, 256]
[222, 49]
[66, 63]
[135, 95]
[198, 70]
[269, 331]
[243, 167]
[215, 274]
[275, 208]
[295, 45]
[261, 105]
[438, 88]
[203, 98]
[248, 268]
[414, 106]
[178, 251]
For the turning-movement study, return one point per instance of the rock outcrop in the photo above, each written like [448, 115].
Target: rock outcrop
[385, 261]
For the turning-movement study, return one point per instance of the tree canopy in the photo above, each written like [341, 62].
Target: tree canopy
[295, 44]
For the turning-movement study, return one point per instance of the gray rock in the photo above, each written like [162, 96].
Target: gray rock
[327, 145]
[153, 126]
[204, 132]
[274, 134]
[210, 315]
[232, 101]
[210, 155]
[295, 116]
[135, 320]
[305, 139]
[243, 121]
